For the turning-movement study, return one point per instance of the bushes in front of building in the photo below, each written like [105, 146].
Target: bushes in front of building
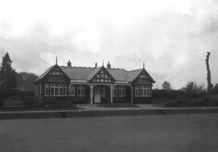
[172, 94]
[48, 103]
[117, 105]
[194, 102]
[192, 95]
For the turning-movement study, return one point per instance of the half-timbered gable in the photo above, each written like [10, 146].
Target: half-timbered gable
[102, 76]
[52, 83]
[142, 85]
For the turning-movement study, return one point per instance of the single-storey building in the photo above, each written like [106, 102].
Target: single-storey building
[94, 85]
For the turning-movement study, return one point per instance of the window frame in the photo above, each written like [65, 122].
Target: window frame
[136, 90]
[103, 91]
[81, 90]
[122, 91]
[71, 90]
[46, 89]
[144, 91]
[57, 89]
[115, 91]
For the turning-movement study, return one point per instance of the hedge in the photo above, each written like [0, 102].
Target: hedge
[167, 93]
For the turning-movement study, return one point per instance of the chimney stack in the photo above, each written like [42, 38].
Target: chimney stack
[96, 65]
[108, 65]
[69, 63]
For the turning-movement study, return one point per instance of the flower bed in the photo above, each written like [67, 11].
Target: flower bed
[118, 105]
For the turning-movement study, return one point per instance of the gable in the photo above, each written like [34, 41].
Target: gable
[143, 74]
[102, 76]
[143, 78]
[53, 74]
[56, 71]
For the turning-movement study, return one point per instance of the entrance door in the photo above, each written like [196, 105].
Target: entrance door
[97, 94]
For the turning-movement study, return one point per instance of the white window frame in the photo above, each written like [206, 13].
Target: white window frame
[61, 90]
[148, 91]
[145, 91]
[137, 91]
[142, 91]
[103, 91]
[71, 90]
[122, 91]
[115, 91]
[56, 89]
[65, 90]
[81, 90]
[46, 89]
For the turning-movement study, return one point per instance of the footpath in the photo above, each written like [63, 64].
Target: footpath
[86, 110]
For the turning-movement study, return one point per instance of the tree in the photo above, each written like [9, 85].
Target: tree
[7, 78]
[192, 89]
[209, 85]
[166, 86]
[215, 89]
[25, 81]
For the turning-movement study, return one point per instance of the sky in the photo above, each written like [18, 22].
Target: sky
[172, 37]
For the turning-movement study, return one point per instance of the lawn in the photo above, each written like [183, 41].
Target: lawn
[183, 133]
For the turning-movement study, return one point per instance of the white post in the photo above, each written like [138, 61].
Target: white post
[111, 88]
[91, 93]
[132, 94]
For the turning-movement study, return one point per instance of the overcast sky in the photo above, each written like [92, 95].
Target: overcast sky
[172, 37]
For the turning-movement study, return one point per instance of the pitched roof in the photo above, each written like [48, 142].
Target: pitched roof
[92, 73]
[133, 74]
[118, 74]
[77, 73]
[44, 74]
[87, 73]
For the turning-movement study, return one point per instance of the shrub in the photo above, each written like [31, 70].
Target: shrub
[28, 101]
[215, 89]
[187, 102]
[172, 103]
[55, 104]
[179, 102]
[167, 93]
[1, 102]
[35, 105]
[67, 104]
[214, 99]
[206, 99]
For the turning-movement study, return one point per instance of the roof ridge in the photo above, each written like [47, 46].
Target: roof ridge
[135, 70]
[116, 69]
[76, 67]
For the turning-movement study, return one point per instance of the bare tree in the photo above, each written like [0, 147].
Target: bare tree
[209, 85]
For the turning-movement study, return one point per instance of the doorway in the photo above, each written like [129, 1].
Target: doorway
[97, 96]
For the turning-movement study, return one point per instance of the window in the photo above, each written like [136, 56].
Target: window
[142, 91]
[71, 90]
[65, 90]
[61, 89]
[136, 91]
[55, 72]
[56, 90]
[115, 91]
[46, 89]
[145, 91]
[122, 91]
[52, 90]
[148, 91]
[103, 91]
[80, 90]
